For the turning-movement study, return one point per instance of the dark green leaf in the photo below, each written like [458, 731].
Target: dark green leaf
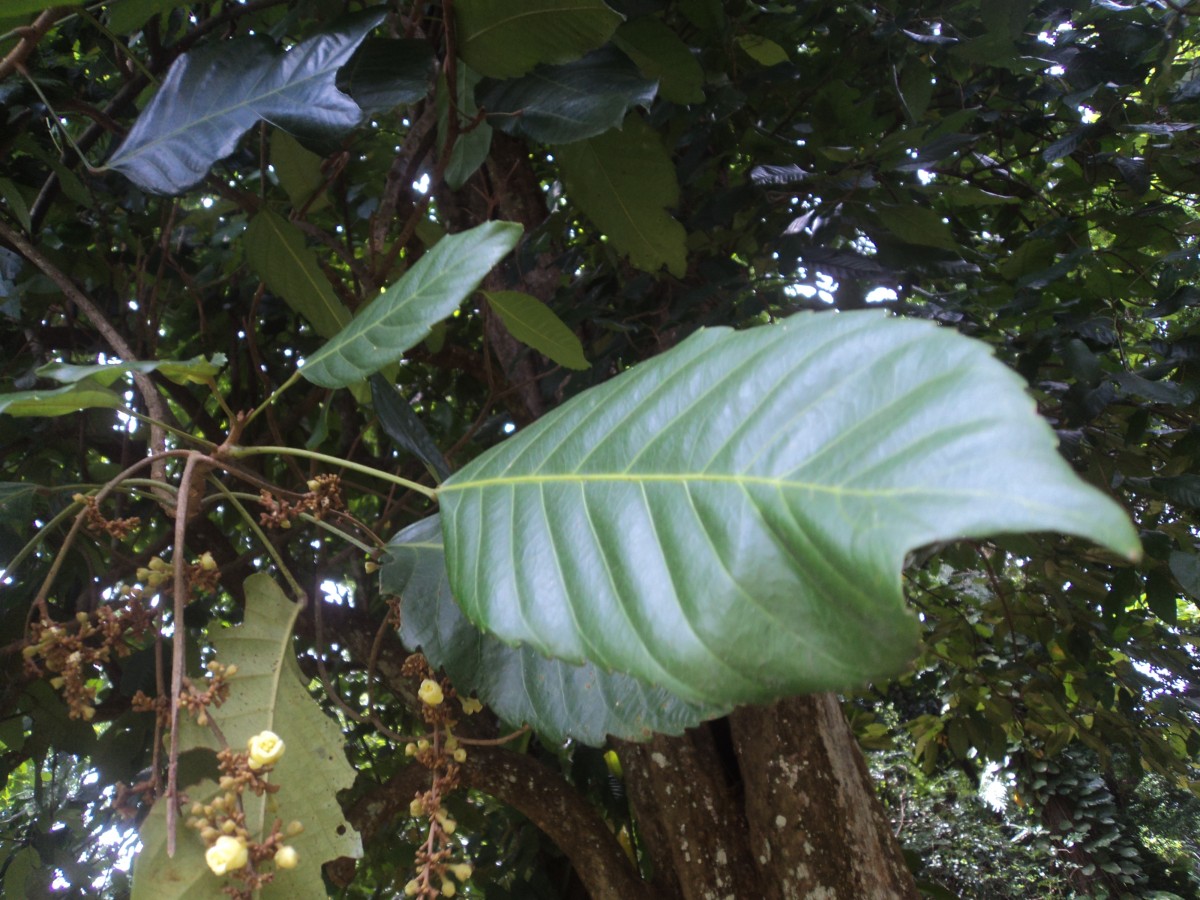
[1186, 569]
[402, 316]
[762, 50]
[15, 201]
[298, 170]
[211, 96]
[470, 147]
[663, 57]
[507, 38]
[556, 699]
[571, 102]
[386, 73]
[625, 181]
[918, 225]
[277, 253]
[729, 519]
[403, 426]
[127, 16]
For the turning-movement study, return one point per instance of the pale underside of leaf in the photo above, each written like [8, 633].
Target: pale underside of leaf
[558, 700]
[729, 519]
[402, 316]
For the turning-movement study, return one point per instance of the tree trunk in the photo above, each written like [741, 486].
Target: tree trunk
[776, 805]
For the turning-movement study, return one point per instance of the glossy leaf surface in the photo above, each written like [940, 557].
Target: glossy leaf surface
[729, 519]
[402, 316]
[194, 371]
[557, 699]
[62, 401]
[211, 96]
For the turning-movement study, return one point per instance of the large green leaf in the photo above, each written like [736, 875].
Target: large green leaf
[729, 519]
[402, 316]
[277, 253]
[571, 102]
[62, 401]
[212, 95]
[402, 425]
[386, 73]
[268, 693]
[534, 324]
[558, 700]
[625, 180]
[506, 38]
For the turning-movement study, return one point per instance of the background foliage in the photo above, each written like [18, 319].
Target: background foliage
[1022, 172]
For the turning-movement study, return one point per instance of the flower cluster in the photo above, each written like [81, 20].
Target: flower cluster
[231, 850]
[324, 496]
[98, 524]
[74, 653]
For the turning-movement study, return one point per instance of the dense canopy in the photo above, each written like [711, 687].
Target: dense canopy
[633, 361]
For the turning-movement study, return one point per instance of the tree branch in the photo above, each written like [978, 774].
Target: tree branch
[15, 60]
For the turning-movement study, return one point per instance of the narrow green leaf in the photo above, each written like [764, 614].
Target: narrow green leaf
[507, 38]
[534, 324]
[402, 315]
[268, 693]
[15, 201]
[571, 102]
[558, 700]
[625, 181]
[195, 371]
[728, 520]
[59, 402]
[298, 170]
[277, 253]
[404, 427]
[470, 148]
[662, 56]
[212, 95]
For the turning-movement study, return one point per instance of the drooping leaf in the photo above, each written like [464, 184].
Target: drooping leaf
[570, 102]
[729, 519]
[266, 694]
[558, 700]
[14, 200]
[385, 73]
[918, 225]
[212, 95]
[298, 170]
[402, 425]
[470, 147]
[625, 181]
[507, 38]
[62, 401]
[1186, 569]
[277, 253]
[190, 371]
[662, 56]
[534, 324]
[402, 316]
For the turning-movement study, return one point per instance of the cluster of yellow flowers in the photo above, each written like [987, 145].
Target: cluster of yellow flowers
[222, 823]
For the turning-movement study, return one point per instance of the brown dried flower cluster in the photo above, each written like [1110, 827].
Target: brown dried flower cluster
[73, 653]
[96, 523]
[324, 496]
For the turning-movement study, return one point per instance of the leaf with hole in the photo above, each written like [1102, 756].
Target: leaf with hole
[728, 520]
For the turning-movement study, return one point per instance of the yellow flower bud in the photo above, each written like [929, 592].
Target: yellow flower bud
[231, 670]
[448, 889]
[470, 705]
[462, 871]
[371, 567]
[460, 755]
[226, 855]
[287, 858]
[410, 889]
[430, 692]
[207, 563]
[314, 485]
[294, 828]
[416, 807]
[265, 749]
[410, 749]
